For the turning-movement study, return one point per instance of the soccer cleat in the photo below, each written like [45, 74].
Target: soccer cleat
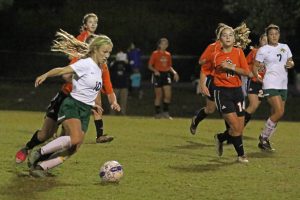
[242, 159]
[21, 155]
[264, 144]
[166, 115]
[34, 157]
[219, 145]
[193, 126]
[104, 139]
[38, 172]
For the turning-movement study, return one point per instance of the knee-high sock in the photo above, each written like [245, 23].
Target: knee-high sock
[34, 141]
[269, 129]
[247, 118]
[200, 116]
[99, 127]
[49, 164]
[56, 145]
[238, 144]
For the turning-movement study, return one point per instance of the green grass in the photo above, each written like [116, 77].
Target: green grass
[161, 160]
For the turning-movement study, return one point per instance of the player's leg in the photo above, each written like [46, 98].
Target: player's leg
[167, 95]
[98, 121]
[157, 101]
[277, 110]
[254, 103]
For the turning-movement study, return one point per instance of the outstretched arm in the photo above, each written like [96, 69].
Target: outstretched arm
[53, 72]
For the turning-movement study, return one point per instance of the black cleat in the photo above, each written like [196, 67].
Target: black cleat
[264, 144]
[193, 126]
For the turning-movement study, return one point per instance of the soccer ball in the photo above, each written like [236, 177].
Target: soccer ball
[111, 171]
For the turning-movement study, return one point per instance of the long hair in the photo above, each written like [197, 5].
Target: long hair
[241, 34]
[69, 45]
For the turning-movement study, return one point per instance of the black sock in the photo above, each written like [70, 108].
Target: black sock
[99, 127]
[34, 141]
[166, 107]
[157, 109]
[223, 136]
[238, 144]
[247, 118]
[200, 116]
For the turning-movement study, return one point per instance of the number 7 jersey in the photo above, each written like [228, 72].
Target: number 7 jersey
[274, 58]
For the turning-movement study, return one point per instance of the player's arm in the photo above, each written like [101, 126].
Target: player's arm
[256, 66]
[113, 102]
[202, 84]
[53, 72]
[175, 74]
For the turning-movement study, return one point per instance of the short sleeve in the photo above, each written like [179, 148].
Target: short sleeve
[289, 53]
[79, 67]
[260, 55]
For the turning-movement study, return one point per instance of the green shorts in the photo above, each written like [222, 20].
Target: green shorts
[276, 92]
[71, 108]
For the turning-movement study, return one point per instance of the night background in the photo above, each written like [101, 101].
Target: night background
[28, 29]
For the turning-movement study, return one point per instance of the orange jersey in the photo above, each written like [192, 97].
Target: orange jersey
[250, 60]
[207, 68]
[228, 78]
[161, 60]
[83, 36]
[107, 86]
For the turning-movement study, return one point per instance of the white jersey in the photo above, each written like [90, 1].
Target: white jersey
[87, 81]
[274, 58]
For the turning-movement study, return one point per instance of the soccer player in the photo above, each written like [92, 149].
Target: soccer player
[74, 113]
[50, 126]
[254, 87]
[229, 63]
[160, 64]
[277, 58]
[206, 85]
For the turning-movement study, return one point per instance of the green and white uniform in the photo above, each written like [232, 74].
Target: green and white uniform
[86, 84]
[274, 58]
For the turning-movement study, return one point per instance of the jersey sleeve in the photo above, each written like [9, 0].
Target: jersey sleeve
[152, 59]
[206, 54]
[79, 67]
[289, 53]
[243, 61]
[107, 86]
[259, 55]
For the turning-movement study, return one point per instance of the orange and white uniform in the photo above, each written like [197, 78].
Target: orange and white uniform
[226, 78]
[206, 68]
[161, 60]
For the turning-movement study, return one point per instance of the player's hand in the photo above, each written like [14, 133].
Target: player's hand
[115, 106]
[97, 110]
[176, 77]
[39, 80]
[204, 90]
[289, 64]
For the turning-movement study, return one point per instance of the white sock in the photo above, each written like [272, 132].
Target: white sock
[49, 164]
[269, 129]
[56, 145]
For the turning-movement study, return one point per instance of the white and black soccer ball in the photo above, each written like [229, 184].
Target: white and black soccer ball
[111, 171]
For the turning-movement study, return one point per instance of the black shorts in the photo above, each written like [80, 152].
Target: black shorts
[211, 87]
[53, 107]
[254, 87]
[163, 79]
[229, 100]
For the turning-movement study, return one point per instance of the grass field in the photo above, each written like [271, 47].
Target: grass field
[161, 160]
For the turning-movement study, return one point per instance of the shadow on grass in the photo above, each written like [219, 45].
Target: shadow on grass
[215, 164]
[23, 186]
[193, 145]
[261, 154]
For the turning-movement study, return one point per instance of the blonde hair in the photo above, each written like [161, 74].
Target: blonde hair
[69, 45]
[241, 34]
[85, 19]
